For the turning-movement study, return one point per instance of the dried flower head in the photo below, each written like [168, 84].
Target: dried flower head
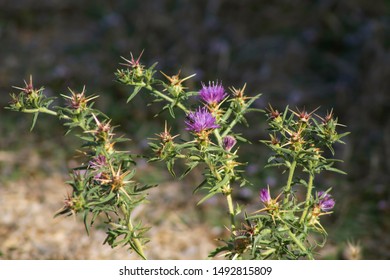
[303, 115]
[274, 140]
[212, 94]
[328, 118]
[29, 88]
[103, 129]
[353, 251]
[200, 121]
[272, 113]
[239, 95]
[133, 63]
[166, 136]
[117, 179]
[78, 100]
[176, 86]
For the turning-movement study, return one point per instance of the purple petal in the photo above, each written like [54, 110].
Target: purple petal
[327, 205]
[200, 120]
[229, 142]
[213, 93]
[265, 196]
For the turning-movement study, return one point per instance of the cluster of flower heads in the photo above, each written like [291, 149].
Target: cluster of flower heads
[202, 120]
[325, 200]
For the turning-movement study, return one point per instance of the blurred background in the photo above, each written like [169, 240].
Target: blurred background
[328, 53]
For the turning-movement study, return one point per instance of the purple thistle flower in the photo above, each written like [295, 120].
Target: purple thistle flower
[213, 93]
[98, 162]
[229, 142]
[265, 196]
[200, 120]
[326, 202]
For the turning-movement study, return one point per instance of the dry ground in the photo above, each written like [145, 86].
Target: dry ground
[29, 231]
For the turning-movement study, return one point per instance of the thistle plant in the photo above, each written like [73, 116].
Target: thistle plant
[286, 226]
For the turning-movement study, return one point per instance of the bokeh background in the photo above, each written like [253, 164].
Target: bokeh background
[328, 53]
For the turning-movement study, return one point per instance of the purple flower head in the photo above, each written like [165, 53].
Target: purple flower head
[98, 162]
[229, 142]
[265, 196]
[213, 93]
[200, 120]
[326, 202]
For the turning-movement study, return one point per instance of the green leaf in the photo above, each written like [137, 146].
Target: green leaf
[191, 166]
[170, 164]
[138, 189]
[171, 111]
[274, 165]
[34, 120]
[85, 219]
[135, 92]
[200, 186]
[222, 183]
[209, 195]
[335, 170]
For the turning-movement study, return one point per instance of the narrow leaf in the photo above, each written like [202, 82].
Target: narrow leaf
[34, 121]
[135, 92]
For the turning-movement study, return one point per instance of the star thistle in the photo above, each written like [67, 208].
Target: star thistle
[213, 93]
[228, 142]
[200, 121]
[265, 196]
[326, 202]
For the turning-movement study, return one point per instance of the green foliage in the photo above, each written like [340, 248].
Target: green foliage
[104, 185]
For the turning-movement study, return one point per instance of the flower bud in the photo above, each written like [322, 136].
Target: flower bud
[326, 202]
[229, 142]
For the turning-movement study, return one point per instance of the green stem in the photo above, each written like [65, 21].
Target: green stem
[300, 245]
[44, 111]
[227, 114]
[230, 127]
[167, 98]
[218, 136]
[219, 140]
[287, 190]
[308, 197]
[137, 243]
[40, 110]
[231, 208]
[228, 193]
